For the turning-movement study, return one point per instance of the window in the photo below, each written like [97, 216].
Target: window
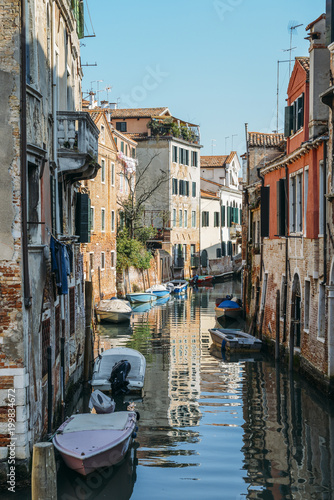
[305, 198]
[122, 146]
[121, 126]
[296, 203]
[133, 153]
[102, 134]
[321, 311]
[126, 149]
[194, 158]
[112, 174]
[194, 189]
[174, 154]
[205, 219]
[184, 252]
[186, 186]
[121, 220]
[307, 305]
[186, 218]
[92, 221]
[174, 217]
[281, 217]
[222, 215]
[71, 294]
[103, 219]
[294, 116]
[113, 220]
[181, 185]
[181, 150]
[180, 218]
[218, 253]
[216, 219]
[103, 170]
[112, 259]
[186, 157]
[193, 218]
[103, 260]
[174, 186]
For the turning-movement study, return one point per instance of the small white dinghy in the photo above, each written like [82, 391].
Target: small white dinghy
[101, 402]
[134, 378]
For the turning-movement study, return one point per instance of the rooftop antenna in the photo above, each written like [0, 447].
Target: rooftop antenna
[227, 137]
[292, 26]
[98, 98]
[212, 145]
[107, 89]
[277, 92]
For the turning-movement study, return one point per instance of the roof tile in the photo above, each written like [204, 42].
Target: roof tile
[267, 140]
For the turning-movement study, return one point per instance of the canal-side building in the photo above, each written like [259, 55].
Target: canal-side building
[328, 194]
[261, 148]
[293, 267]
[220, 217]
[116, 155]
[48, 145]
[168, 154]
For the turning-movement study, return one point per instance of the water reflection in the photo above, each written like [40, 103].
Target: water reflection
[213, 427]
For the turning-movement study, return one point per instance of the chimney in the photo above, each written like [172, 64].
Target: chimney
[113, 105]
[92, 101]
[319, 76]
[104, 104]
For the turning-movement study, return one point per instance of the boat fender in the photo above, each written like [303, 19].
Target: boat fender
[223, 345]
[138, 415]
[134, 434]
[136, 428]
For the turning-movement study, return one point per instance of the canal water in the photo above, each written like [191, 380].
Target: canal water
[211, 428]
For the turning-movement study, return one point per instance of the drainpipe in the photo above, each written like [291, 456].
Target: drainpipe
[286, 253]
[247, 218]
[23, 156]
[324, 213]
[54, 115]
[261, 247]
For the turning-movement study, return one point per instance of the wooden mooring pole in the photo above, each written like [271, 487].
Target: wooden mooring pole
[44, 473]
[278, 312]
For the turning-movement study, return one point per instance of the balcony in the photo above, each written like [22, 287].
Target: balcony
[77, 143]
[235, 231]
[163, 127]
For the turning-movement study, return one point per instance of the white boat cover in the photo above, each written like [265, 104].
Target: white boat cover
[157, 288]
[114, 305]
[96, 422]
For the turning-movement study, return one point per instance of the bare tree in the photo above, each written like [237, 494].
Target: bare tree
[133, 205]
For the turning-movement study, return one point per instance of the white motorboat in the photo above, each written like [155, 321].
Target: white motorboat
[105, 363]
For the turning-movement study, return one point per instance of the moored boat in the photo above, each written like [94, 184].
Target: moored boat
[89, 441]
[234, 340]
[141, 297]
[201, 280]
[104, 370]
[113, 311]
[177, 286]
[160, 291]
[230, 308]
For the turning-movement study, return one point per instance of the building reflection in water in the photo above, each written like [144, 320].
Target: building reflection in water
[284, 449]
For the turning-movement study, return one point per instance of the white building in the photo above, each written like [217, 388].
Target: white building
[221, 205]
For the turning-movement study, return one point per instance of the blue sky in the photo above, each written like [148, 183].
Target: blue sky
[213, 63]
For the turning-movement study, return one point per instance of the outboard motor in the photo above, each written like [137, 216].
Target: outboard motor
[119, 384]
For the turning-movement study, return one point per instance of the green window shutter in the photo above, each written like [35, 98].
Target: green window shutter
[288, 121]
[265, 192]
[229, 218]
[222, 209]
[82, 217]
[281, 218]
[224, 248]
